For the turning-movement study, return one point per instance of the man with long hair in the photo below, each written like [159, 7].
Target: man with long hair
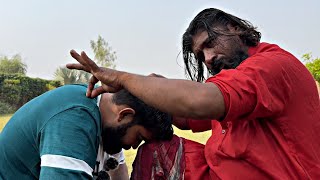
[260, 102]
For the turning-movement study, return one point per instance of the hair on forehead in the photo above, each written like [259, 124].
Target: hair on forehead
[215, 22]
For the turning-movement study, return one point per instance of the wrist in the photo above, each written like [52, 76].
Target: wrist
[123, 78]
[128, 79]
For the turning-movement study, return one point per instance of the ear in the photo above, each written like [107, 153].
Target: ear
[126, 114]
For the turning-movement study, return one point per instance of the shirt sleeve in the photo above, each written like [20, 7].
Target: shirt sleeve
[68, 145]
[258, 88]
[119, 156]
[199, 125]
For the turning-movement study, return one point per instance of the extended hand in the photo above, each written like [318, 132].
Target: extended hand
[156, 75]
[108, 77]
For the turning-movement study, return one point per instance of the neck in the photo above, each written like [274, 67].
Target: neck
[104, 106]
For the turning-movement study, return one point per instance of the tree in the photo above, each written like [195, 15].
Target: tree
[67, 76]
[313, 65]
[104, 56]
[103, 53]
[13, 65]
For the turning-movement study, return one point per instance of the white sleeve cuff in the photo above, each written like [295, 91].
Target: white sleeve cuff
[120, 157]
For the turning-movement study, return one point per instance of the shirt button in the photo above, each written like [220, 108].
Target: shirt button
[223, 131]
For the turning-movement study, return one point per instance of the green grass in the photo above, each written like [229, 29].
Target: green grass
[130, 154]
[4, 118]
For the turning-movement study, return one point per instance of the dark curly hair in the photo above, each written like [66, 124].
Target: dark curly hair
[159, 123]
[206, 20]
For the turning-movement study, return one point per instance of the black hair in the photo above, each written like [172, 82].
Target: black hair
[159, 123]
[206, 20]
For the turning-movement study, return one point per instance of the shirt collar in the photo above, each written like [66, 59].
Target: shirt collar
[98, 100]
[253, 50]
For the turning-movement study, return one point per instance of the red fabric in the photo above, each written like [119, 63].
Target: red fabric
[196, 164]
[199, 125]
[272, 123]
[191, 165]
[160, 160]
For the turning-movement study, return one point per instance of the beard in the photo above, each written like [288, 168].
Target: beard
[112, 138]
[230, 62]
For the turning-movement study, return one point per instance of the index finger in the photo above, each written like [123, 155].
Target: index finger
[77, 57]
[91, 64]
[93, 80]
[77, 66]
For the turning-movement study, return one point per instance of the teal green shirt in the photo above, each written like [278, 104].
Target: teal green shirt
[54, 136]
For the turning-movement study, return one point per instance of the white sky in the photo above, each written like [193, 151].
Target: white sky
[145, 34]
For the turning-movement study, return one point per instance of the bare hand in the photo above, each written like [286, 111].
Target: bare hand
[108, 77]
[156, 75]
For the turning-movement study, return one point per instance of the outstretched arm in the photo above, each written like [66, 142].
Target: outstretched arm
[180, 98]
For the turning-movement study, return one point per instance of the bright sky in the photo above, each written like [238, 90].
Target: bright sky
[145, 34]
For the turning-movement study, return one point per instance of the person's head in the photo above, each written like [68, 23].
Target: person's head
[217, 40]
[127, 121]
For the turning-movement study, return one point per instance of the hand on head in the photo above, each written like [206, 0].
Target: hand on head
[108, 77]
[156, 75]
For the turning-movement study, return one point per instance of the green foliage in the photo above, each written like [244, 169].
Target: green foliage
[16, 90]
[103, 53]
[12, 65]
[313, 65]
[54, 83]
[68, 76]
[104, 56]
[50, 87]
[10, 91]
[6, 108]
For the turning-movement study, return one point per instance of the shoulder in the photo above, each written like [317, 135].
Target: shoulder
[75, 118]
[72, 133]
[266, 53]
[269, 59]
[68, 97]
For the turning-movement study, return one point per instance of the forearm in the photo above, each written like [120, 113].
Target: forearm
[181, 98]
[121, 173]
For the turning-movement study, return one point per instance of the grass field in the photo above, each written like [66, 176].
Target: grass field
[3, 120]
[130, 154]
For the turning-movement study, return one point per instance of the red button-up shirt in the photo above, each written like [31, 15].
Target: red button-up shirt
[271, 129]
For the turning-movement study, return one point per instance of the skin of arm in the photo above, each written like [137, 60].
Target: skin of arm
[121, 173]
[179, 122]
[181, 98]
